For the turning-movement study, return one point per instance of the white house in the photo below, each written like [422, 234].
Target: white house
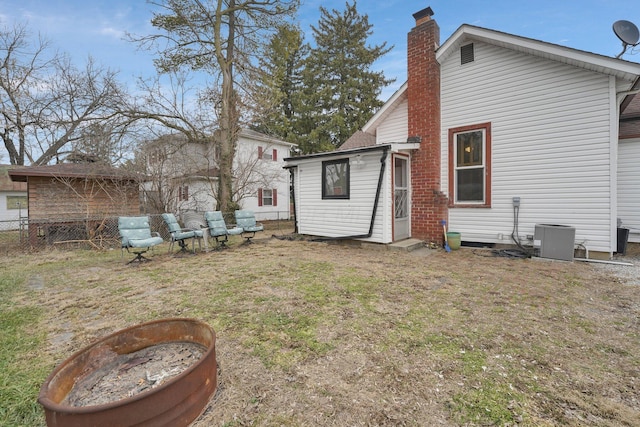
[185, 174]
[491, 133]
[13, 200]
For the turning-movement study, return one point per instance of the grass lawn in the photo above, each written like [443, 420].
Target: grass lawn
[319, 334]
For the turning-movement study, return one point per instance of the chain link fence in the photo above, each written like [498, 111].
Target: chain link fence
[98, 233]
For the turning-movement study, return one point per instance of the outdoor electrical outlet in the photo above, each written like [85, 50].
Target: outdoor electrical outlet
[516, 202]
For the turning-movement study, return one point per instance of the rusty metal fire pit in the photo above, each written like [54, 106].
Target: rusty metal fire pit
[176, 402]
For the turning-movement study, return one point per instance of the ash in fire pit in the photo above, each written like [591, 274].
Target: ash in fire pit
[125, 375]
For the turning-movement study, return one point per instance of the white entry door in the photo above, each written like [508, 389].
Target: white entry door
[401, 224]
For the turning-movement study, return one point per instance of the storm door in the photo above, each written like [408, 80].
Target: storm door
[401, 223]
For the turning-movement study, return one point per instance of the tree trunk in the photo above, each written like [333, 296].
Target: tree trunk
[228, 122]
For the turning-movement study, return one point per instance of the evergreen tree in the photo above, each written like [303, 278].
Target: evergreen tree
[341, 91]
[280, 86]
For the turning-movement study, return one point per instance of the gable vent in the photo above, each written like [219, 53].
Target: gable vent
[466, 54]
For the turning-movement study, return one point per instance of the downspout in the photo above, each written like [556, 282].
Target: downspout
[383, 161]
[292, 191]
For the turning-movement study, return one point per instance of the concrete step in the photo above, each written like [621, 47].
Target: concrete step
[406, 245]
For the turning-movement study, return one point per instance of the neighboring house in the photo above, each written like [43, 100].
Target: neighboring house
[485, 119]
[185, 174]
[70, 201]
[13, 199]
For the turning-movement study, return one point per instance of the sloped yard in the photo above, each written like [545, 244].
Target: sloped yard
[318, 334]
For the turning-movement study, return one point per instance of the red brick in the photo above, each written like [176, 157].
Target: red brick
[429, 204]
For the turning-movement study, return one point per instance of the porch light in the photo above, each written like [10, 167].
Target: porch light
[357, 161]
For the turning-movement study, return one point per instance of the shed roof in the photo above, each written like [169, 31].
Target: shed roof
[72, 170]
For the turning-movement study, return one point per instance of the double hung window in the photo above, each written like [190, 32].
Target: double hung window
[470, 166]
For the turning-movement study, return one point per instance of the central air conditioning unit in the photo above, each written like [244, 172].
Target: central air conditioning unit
[554, 241]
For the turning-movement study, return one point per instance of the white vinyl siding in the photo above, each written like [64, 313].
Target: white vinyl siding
[9, 213]
[263, 173]
[250, 173]
[344, 217]
[394, 127]
[629, 186]
[550, 127]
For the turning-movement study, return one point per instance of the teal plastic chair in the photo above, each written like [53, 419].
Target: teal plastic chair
[219, 230]
[246, 220]
[179, 234]
[137, 237]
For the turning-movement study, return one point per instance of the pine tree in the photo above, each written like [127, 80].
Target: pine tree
[341, 90]
[280, 86]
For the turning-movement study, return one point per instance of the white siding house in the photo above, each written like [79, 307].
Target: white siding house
[13, 200]
[261, 183]
[511, 118]
[187, 174]
[552, 142]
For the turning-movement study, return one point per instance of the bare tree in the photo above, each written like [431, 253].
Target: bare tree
[170, 163]
[47, 103]
[174, 117]
[218, 37]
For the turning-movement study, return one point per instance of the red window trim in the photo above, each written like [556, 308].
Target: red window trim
[274, 197]
[487, 163]
[274, 154]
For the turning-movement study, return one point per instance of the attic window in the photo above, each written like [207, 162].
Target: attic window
[466, 54]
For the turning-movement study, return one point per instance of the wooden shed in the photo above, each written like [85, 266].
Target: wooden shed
[72, 201]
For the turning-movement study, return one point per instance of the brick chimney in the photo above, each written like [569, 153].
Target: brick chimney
[429, 204]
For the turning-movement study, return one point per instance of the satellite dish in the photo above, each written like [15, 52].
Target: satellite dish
[627, 32]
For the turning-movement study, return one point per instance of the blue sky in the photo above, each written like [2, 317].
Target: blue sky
[96, 27]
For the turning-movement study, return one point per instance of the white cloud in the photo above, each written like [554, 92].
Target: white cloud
[112, 32]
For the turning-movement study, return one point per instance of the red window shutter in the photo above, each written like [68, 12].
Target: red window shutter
[259, 152]
[275, 195]
[183, 193]
[259, 196]
[275, 154]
